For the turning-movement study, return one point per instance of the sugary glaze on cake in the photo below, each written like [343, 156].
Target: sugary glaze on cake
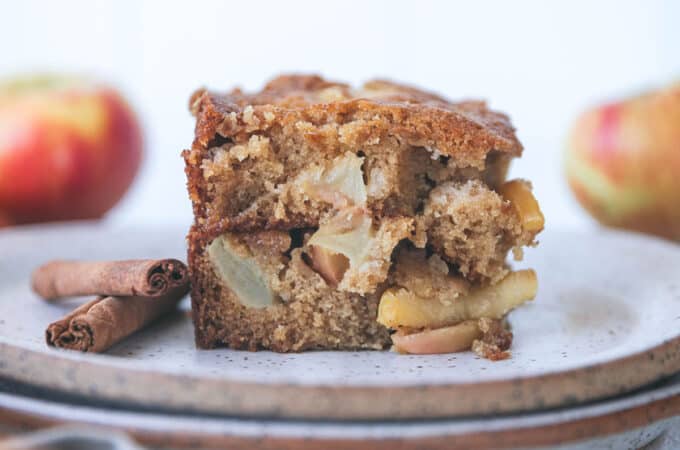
[370, 174]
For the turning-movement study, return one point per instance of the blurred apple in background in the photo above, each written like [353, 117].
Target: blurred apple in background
[623, 162]
[4, 220]
[69, 149]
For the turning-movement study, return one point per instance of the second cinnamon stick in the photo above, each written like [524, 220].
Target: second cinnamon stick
[101, 323]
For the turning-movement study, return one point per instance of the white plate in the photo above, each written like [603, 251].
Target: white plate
[606, 320]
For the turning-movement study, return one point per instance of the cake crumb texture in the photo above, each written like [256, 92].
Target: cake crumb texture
[323, 196]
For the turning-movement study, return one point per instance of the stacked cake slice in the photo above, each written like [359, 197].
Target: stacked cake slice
[328, 217]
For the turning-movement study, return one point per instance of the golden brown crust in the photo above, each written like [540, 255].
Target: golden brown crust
[467, 130]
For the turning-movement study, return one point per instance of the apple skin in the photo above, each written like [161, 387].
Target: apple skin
[4, 220]
[69, 149]
[623, 163]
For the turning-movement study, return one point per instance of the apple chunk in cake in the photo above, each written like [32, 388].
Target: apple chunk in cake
[327, 217]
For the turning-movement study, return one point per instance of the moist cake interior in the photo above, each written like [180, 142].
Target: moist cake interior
[312, 200]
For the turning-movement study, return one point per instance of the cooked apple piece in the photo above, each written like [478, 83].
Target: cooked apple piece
[368, 250]
[347, 250]
[239, 271]
[401, 308]
[348, 233]
[331, 266]
[455, 338]
[341, 183]
[518, 193]
[342, 242]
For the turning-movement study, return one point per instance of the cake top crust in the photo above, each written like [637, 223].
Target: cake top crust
[467, 130]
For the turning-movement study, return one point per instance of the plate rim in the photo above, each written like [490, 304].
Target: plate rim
[351, 402]
[611, 417]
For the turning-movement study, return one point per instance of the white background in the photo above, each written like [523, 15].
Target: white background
[542, 62]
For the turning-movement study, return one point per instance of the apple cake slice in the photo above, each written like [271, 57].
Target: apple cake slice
[328, 217]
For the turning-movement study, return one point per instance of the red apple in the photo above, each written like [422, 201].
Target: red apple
[4, 220]
[623, 163]
[69, 149]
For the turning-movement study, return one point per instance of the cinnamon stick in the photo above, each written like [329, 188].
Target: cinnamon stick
[143, 277]
[104, 321]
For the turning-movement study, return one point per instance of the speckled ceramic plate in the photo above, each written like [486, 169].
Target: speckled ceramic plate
[606, 321]
[629, 422]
